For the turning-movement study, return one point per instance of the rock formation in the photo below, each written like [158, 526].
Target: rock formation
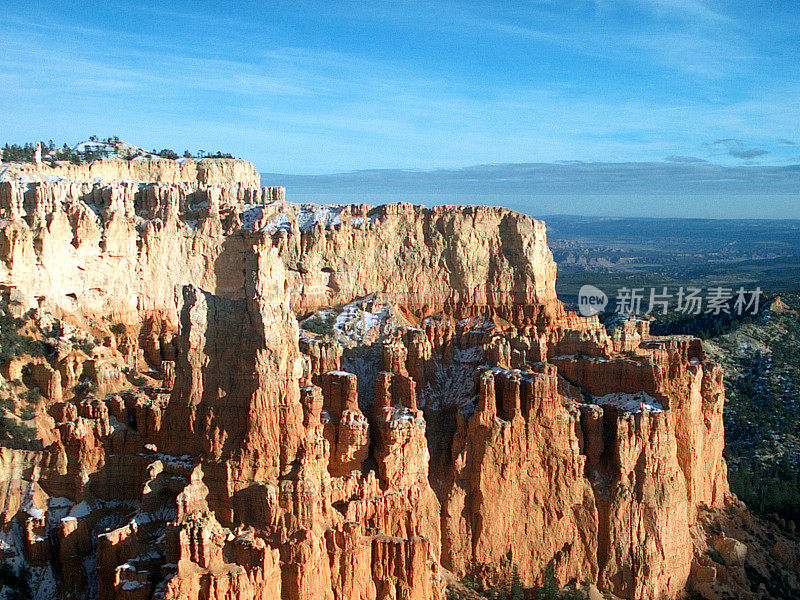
[208, 171]
[248, 398]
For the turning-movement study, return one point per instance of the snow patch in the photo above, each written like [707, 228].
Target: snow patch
[133, 585]
[60, 502]
[631, 403]
[453, 385]
[401, 417]
[26, 504]
[80, 510]
[311, 214]
[363, 321]
[280, 222]
[184, 460]
[250, 215]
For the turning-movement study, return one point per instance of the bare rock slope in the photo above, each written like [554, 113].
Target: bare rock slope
[247, 398]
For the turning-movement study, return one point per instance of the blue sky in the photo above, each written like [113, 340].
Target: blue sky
[311, 88]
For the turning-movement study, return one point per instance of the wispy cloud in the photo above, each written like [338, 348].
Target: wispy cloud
[469, 84]
[694, 9]
[696, 39]
[738, 149]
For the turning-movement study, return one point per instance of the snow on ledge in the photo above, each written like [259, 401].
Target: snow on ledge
[630, 403]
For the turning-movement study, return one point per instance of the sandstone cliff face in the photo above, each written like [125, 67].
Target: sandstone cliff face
[334, 402]
[208, 171]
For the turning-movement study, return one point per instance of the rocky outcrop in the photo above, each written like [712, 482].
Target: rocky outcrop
[207, 171]
[304, 402]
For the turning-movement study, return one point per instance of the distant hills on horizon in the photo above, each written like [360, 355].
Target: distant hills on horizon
[646, 189]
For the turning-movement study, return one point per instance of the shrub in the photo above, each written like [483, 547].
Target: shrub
[16, 585]
[86, 345]
[19, 432]
[33, 396]
[86, 386]
[513, 589]
[320, 323]
[13, 343]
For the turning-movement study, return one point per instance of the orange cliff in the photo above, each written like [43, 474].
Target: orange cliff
[335, 402]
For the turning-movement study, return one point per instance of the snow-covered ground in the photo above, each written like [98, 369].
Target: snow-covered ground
[358, 320]
[454, 384]
[311, 214]
[362, 322]
[305, 215]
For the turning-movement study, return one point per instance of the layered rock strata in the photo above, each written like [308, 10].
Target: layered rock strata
[206, 171]
[334, 402]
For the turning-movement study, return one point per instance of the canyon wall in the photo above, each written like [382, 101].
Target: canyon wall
[245, 397]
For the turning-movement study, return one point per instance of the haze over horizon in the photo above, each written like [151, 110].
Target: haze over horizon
[685, 89]
[655, 190]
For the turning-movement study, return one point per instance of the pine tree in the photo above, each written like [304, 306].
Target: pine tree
[516, 585]
[550, 584]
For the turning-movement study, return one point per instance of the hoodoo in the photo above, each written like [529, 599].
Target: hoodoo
[241, 397]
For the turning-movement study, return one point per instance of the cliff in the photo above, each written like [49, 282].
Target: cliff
[243, 397]
[208, 171]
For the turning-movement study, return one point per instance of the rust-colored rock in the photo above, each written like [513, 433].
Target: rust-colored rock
[257, 399]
